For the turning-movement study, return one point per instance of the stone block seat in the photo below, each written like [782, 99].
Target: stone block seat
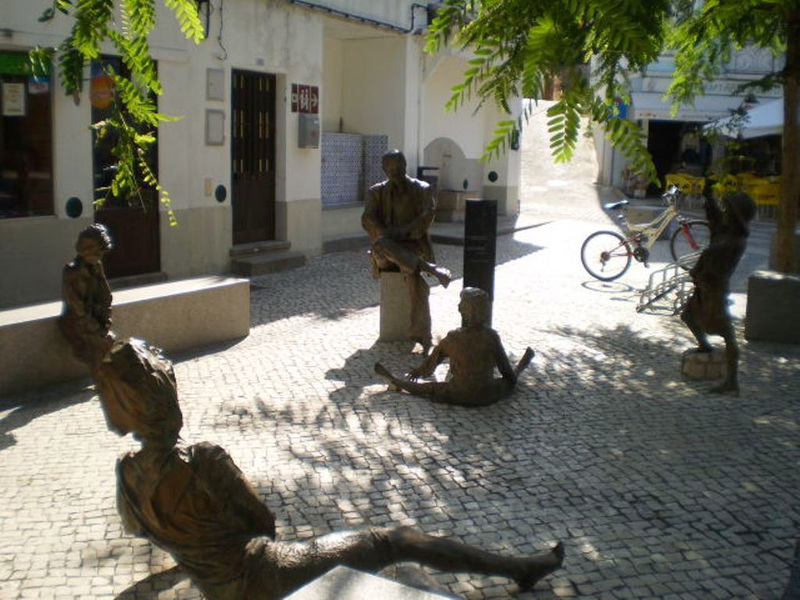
[395, 309]
[174, 316]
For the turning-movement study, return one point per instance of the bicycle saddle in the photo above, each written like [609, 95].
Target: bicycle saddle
[616, 205]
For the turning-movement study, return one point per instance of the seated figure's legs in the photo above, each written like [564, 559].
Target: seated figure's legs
[425, 389]
[389, 252]
[525, 361]
[298, 563]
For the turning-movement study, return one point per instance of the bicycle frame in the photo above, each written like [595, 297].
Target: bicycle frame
[649, 232]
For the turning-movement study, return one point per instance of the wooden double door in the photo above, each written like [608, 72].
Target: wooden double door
[253, 156]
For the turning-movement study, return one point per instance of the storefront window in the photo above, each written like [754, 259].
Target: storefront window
[26, 140]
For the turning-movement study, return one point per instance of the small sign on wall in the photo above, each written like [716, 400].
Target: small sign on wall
[215, 127]
[13, 99]
[305, 98]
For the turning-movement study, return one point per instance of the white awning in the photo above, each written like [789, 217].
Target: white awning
[706, 108]
[762, 119]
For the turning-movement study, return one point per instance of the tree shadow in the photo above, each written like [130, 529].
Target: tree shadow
[23, 409]
[150, 587]
[347, 285]
[602, 424]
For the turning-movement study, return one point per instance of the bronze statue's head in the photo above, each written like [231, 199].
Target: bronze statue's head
[394, 165]
[139, 393]
[475, 306]
[93, 242]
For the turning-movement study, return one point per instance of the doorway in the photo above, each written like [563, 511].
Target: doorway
[253, 157]
[133, 222]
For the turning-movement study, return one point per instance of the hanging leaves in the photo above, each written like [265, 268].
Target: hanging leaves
[519, 47]
[127, 25]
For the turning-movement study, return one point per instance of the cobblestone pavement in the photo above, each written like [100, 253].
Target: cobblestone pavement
[658, 489]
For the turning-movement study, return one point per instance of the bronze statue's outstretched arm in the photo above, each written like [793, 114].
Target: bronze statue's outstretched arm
[428, 366]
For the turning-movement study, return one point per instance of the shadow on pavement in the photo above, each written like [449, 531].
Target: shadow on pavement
[151, 586]
[308, 290]
[23, 411]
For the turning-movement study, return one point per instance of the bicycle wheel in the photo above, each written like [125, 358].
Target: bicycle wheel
[606, 255]
[688, 241]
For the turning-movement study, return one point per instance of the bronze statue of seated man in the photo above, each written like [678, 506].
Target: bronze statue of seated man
[196, 504]
[474, 351]
[397, 216]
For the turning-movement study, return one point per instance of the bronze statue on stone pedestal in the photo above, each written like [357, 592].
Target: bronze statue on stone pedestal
[474, 350]
[706, 313]
[397, 216]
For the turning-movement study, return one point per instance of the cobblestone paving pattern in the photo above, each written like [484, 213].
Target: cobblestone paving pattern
[657, 489]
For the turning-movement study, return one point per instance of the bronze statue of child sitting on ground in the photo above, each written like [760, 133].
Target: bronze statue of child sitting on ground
[474, 350]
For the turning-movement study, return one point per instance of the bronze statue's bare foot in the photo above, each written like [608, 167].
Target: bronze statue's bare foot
[443, 275]
[701, 349]
[526, 359]
[384, 372]
[540, 566]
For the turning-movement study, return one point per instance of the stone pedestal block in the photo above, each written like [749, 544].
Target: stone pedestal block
[395, 307]
[344, 583]
[703, 365]
[773, 307]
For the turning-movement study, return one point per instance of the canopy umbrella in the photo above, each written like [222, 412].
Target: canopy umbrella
[763, 119]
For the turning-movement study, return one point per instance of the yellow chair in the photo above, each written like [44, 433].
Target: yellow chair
[767, 196]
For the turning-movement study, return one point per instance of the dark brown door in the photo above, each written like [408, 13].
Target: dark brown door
[133, 222]
[253, 157]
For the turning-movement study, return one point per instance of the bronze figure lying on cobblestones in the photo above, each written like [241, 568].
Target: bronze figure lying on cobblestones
[196, 504]
[86, 317]
[706, 313]
[397, 216]
[474, 350]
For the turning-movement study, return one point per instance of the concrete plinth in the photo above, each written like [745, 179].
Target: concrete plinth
[703, 366]
[395, 307]
[174, 316]
[344, 583]
[773, 306]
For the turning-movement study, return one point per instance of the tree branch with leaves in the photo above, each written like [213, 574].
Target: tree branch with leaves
[126, 25]
[519, 46]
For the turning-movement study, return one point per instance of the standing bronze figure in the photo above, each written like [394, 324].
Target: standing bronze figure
[706, 313]
[397, 216]
[474, 351]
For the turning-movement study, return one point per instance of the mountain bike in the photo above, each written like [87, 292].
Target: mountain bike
[607, 255]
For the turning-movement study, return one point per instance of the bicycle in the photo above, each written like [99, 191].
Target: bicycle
[607, 255]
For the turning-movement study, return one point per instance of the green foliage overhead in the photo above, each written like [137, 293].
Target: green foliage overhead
[703, 41]
[126, 24]
[520, 46]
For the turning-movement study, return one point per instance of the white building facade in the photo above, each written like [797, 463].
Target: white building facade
[272, 104]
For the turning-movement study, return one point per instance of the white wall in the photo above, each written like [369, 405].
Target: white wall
[332, 74]
[373, 96]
